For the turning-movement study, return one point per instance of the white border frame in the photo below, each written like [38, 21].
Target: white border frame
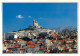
[41, 1]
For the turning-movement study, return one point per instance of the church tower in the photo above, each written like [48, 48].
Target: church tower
[36, 23]
[33, 22]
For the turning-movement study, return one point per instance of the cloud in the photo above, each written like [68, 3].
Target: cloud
[29, 16]
[19, 16]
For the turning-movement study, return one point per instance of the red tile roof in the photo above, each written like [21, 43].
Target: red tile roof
[10, 47]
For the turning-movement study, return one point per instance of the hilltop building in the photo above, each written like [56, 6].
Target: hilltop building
[35, 24]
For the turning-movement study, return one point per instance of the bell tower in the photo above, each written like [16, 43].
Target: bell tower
[33, 22]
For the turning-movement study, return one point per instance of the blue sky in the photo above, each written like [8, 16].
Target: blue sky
[49, 15]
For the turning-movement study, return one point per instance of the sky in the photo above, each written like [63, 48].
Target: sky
[18, 16]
